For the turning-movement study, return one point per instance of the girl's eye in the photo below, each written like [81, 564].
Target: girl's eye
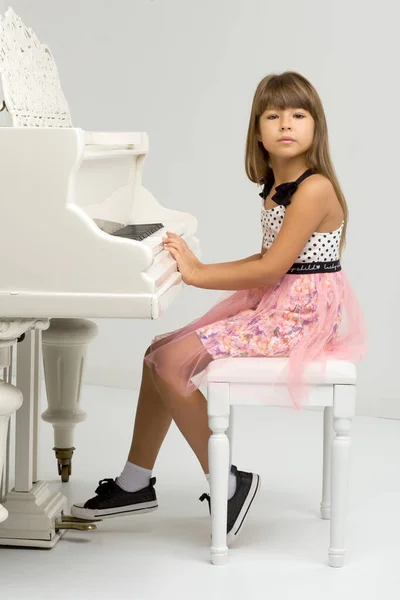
[296, 115]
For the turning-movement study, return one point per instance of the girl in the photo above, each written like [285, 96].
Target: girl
[286, 301]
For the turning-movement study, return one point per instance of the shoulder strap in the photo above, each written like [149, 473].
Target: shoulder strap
[305, 175]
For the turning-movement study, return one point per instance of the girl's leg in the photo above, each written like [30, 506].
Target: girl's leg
[190, 416]
[159, 403]
[152, 422]
[188, 412]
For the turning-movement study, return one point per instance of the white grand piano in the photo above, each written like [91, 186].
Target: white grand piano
[68, 199]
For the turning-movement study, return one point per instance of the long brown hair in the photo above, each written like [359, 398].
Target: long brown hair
[291, 90]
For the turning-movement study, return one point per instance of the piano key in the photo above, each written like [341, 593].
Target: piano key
[155, 240]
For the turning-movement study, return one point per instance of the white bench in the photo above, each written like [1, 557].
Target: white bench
[253, 381]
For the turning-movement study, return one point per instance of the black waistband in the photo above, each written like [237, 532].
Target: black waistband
[315, 267]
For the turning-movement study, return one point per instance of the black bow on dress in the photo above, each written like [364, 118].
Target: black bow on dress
[283, 192]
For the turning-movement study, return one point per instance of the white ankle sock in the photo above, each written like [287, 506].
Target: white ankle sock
[231, 484]
[133, 477]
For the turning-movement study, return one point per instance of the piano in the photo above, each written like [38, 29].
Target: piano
[80, 238]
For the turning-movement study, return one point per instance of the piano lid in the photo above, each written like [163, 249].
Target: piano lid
[74, 189]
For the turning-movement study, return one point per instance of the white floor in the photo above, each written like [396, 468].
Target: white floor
[282, 551]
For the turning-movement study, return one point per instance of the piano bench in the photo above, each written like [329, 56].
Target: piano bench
[253, 381]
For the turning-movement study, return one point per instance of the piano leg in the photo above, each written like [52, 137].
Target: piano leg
[36, 514]
[64, 352]
[10, 402]
[33, 508]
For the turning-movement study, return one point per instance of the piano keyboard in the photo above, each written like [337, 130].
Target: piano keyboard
[138, 231]
[150, 234]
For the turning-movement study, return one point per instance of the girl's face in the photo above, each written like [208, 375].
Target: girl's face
[296, 123]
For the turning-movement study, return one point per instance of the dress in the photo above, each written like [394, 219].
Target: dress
[310, 314]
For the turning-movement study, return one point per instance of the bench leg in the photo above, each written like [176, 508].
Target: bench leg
[343, 413]
[218, 458]
[230, 434]
[328, 435]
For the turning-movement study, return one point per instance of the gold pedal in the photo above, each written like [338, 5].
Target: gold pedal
[70, 522]
[76, 526]
[71, 519]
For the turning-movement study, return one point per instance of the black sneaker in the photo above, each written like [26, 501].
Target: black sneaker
[247, 486]
[113, 501]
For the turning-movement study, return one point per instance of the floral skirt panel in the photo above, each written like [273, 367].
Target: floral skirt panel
[305, 317]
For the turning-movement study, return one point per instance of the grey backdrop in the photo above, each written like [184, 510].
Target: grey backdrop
[185, 72]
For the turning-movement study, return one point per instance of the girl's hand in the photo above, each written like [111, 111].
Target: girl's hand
[188, 263]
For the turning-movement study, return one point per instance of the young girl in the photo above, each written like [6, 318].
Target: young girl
[286, 301]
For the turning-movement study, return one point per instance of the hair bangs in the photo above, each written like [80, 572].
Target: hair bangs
[280, 95]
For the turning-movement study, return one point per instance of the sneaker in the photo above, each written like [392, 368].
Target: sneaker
[113, 501]
[247, 487]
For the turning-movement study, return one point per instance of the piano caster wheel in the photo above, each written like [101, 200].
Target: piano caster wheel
[65, 472]
[64, 457]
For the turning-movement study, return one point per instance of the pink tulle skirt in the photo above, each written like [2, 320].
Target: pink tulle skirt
[305, 317]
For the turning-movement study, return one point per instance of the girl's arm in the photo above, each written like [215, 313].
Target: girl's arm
[233, 276]
[242, 261]
[229, 268]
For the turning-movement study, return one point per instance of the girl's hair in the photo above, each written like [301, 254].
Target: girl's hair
[291, 90]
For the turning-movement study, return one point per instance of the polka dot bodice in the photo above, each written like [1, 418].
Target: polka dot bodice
[319, 248]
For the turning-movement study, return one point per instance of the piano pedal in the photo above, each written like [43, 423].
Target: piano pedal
[70, 522]
[64, 458]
